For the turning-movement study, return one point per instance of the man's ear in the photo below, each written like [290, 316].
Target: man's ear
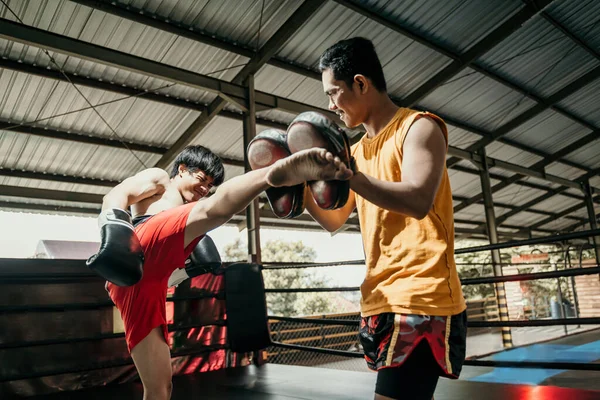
[362, 83]
[181, 169]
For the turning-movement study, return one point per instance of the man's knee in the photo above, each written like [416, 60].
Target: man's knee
[158, 389]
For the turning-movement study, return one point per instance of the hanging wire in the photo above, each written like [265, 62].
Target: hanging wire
[94, 107]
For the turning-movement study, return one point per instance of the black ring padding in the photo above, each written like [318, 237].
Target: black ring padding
[471, 281]
[312, 290]
[533, 364]
[101, 336]
[479, 363]
[528, 277]
[471, 324]
[105, 365]
[319, 321]
[535, 322]
[527, 242]
[220, 295]
[318, 350]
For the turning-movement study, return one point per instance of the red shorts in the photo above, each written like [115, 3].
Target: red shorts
[143, 305]
[388, 340]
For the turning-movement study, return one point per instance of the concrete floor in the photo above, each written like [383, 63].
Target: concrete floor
[487, 341]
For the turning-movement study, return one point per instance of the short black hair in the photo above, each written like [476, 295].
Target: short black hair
[353, 56]
[196, 158]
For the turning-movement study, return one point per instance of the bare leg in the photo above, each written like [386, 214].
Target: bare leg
[152, 359]
[234, 195]
[380, 397]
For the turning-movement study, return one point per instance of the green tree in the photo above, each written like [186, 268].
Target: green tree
[474, 265]
[288, 304]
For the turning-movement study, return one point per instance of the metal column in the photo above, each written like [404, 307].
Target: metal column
[589, 204]
[490, 218]
[252, 211]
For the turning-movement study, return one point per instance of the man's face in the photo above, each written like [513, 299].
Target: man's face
[345, 101]
[194, 185]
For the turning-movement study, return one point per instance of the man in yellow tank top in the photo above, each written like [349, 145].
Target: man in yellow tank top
[413, 326]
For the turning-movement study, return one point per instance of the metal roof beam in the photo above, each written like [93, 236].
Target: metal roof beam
[557, 216]
[47, 194]
[49, 208]
[537, 109]
[232, 92]
[39, 37]
[461, 61]
[78, 180]
[525, 171]
[143, 17]
[80, 137]
[293, 23]
[582, 223]
[156, 21]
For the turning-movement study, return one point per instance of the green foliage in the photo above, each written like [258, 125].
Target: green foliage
[288, 304]
[474, 265]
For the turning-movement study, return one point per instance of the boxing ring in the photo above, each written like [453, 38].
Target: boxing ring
[293, 382]
[60, 339]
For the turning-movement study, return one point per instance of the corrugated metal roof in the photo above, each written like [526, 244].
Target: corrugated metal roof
[524, 219]
[588, 155]
[236, 20]
[224, 137]
[277, 116]
[595, 181]
[469, 97]
[461, 138]
[516, 195]
[541, 182]
[464, 184]
[32, 153]
[30, 98]
[580, 17]
[582, 213]
[502, 172]
[548, 131]
[556, 204]
[52, 185]
[116, 33]
[406, 64]
[539, 57]
[573, 191]
[47, 202]
[289, 85]
[476, 212]
[475, 99]
[511, 154]
[454, 24]
[584, 103]
[564, 171]
[559, 224]
[472, 213]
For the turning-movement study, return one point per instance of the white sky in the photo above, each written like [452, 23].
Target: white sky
[21, 232]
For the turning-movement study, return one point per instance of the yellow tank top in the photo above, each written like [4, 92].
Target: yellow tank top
[410, 262]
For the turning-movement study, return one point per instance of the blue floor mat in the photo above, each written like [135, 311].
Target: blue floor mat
[585, 353]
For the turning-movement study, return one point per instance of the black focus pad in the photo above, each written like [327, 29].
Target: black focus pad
[246, 308]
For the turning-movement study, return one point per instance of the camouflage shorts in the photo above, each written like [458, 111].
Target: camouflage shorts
[388, 339]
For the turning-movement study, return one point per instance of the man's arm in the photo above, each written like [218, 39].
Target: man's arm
[424, 155]
[234, 195]
[144, 184]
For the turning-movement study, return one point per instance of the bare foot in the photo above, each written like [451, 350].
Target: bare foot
[307, 165]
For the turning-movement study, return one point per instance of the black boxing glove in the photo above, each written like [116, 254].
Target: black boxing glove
[204, 258]
[120, 259]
